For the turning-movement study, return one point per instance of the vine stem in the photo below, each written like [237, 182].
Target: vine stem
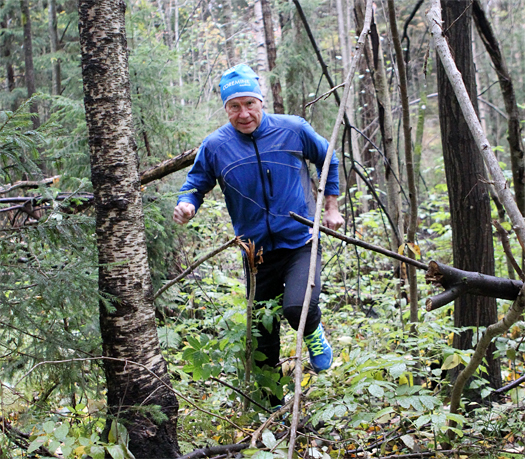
[315, 232]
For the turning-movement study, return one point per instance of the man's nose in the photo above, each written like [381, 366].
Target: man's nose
[244, 112]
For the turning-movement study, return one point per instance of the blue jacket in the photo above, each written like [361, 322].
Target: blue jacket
[263, 176]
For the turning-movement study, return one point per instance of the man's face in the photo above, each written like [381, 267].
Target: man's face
[244, 113]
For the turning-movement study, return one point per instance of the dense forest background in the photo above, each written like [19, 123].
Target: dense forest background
[389, 390]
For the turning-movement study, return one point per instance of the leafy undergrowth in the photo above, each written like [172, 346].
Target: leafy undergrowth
[385, 395]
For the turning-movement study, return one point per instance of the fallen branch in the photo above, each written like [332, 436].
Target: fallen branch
[213, 450]
[457, 282]
[28, 184]
[168, 167]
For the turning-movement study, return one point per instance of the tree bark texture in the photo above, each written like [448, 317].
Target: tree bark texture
[28, 58]
[6, 54]
[53, 38]
[368, 116]
[127, 316]
[271, 50]
[262, 58]
[384, 108]
[468, 196]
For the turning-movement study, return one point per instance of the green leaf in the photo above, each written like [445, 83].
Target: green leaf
[53, 445]
[422, 420]
[268, 439]
[397, 370]
[113, 432]
[84, 441]
[48, 427]
[116, 451]
[97, 452]
[194, 343]
[249, 452]
[263, 455]
[376, 391]
[67, 450]
[452, 361]
[61, 432]
[34, 445]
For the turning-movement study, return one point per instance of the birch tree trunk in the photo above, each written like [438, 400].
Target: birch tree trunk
[262, 57]
[468, 196]
[127, 317]
[271, 52]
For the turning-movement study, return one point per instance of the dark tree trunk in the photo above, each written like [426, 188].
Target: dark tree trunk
[278, 105]
[128, 322]
[28, 56]
[367, 114]
[468, 195]
[53, 38]
[6, 54]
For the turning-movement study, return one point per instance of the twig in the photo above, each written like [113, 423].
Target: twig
[196, 263]
[360, 243]
[241, 393]
[28, 184]
[510, 386]
[249, 250]
[506, 248]
[279, 412]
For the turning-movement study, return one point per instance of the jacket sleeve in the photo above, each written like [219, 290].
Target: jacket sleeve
[315, 150]
[200, 179]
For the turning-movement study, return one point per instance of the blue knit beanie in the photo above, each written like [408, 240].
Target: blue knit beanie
[239, 81]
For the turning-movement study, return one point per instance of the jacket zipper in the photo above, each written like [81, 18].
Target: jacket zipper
[265, 196]
[269, 177]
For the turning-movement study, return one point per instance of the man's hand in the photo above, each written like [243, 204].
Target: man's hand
[183, 213]
[332, 219]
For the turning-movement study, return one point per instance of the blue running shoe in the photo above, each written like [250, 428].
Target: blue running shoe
[319, 349]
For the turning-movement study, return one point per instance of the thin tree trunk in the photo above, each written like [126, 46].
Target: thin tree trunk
[127, 314]
[262, 55]
[468, 196]
[228, 32]
[53, 38]
[6, 54]
[412, 192]
[28, 57]
[367, 103]
[275, 84]
[387, 130]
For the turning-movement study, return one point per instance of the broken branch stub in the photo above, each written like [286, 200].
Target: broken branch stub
[457, 282]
